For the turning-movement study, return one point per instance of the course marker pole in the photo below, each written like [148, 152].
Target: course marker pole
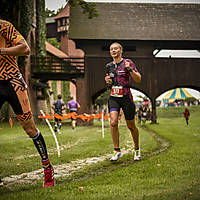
[55, 138]
[102, 122]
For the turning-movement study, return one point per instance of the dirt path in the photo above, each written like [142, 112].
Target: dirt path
[69, 168]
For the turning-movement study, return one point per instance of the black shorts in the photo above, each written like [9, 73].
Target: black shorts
[16, 95]
[73, 111]
[126, 103]
[57, 119]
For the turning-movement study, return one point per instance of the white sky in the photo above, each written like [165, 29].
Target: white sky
[55, 4]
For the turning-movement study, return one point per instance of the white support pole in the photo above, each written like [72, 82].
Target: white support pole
[55, 138]
[102, 122]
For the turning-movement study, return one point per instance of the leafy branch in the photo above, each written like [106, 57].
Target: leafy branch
[89, 8]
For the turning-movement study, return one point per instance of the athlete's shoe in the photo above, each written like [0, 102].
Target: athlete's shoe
[59, 131]
[116, 155]
[137, 155]
[49, 180]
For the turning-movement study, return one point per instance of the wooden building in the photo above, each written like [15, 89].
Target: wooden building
[141, 28]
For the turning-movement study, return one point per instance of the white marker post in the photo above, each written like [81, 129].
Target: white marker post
[102, 122]
[55, 138]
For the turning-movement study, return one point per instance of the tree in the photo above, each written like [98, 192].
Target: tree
[54, 42]
[87, 7]
[52, 13]
[102, 99]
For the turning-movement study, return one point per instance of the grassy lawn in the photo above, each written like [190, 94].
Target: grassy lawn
[170, 168]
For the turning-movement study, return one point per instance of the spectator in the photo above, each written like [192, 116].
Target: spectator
[186, 115]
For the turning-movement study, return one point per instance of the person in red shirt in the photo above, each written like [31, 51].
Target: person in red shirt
[187, 114]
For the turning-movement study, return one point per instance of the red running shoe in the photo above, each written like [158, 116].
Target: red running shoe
[49, 180]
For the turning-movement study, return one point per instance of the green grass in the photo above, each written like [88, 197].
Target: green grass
[170, 168]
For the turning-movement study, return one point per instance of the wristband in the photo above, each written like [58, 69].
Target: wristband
[130, 70]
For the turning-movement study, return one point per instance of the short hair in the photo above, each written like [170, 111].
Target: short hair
[59, 96]
[120, 46]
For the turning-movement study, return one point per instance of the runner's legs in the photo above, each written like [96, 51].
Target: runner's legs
[114, 116]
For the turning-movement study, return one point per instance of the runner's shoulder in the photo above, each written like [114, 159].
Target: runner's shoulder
[110, 64]
[128, 60]
[4, 23]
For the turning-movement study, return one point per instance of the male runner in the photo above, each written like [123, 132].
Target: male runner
[58, 106]
[14, 90]
[118, 79]
[73, 106]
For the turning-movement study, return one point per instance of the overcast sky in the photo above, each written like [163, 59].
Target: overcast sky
[55, 4]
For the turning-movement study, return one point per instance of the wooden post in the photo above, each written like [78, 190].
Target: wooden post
[154, 116]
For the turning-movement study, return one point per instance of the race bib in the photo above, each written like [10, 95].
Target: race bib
[117, 91]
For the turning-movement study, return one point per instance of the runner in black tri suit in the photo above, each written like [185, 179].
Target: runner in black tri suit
[13, 89]
[118, 77]
[58, 106]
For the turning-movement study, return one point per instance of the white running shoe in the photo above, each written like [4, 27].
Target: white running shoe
[59, 131]
[116, 155]
[137, 155]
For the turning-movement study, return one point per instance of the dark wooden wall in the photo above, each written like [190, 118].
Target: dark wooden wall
[158, 74]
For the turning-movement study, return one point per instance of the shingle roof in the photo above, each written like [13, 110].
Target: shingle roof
[54, 51]
[137, 21]
[63, 13]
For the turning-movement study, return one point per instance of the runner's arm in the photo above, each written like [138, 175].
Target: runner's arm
[136, 76]
[21, 48]
[63, 107]
[53, 107]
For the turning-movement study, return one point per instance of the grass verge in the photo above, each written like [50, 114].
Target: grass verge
[164, 173]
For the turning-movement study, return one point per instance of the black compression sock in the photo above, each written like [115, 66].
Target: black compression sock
[40, 145]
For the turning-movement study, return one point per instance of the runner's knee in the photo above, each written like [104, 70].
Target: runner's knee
[132, 126]
[113, 123]
[29, 128]
[30, 131]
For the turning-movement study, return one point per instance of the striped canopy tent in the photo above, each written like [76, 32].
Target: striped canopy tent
[178, 93]
[172, 95]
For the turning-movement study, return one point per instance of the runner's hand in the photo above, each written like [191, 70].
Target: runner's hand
[108, 79]
[127, 65]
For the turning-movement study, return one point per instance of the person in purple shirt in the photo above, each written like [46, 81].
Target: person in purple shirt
[118, 75]
[73, 106]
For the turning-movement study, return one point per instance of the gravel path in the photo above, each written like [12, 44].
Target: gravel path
[59, 170]
[69, 168]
